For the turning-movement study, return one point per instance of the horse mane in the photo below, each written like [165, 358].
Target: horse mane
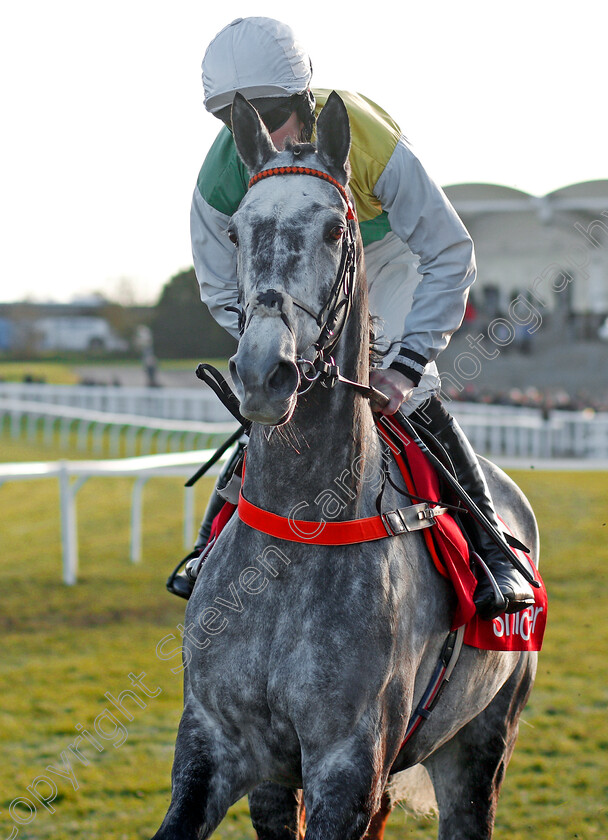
[379, 346]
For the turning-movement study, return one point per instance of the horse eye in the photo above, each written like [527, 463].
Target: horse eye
[336, 233]
[233, 237]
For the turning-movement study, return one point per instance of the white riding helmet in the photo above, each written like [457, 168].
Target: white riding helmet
[256, 56]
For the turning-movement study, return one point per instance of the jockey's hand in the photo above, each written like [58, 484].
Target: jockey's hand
[394, 385]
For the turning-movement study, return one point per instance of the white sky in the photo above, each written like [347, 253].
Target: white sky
[104, 129]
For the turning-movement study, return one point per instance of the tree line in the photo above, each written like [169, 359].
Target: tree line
[182, 326]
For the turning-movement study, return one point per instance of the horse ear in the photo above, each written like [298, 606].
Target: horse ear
[251, 136]
[333, 135]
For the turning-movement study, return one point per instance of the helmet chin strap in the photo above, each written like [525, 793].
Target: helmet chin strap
[306, 112]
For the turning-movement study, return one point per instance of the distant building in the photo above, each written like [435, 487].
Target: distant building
[76, 333]
[551, 251]
[39, 328]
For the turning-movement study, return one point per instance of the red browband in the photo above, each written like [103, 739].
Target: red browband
[305, 170]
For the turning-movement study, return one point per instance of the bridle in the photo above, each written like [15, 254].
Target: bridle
[332, 316]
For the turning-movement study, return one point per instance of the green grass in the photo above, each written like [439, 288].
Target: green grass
[64, 648]
[53, 373]
[65, 372]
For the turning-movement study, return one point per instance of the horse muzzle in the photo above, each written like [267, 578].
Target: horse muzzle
[265, 379]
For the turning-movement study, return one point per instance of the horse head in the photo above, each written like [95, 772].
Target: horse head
[291, 235]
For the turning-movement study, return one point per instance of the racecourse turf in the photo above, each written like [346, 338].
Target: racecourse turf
[65, 649]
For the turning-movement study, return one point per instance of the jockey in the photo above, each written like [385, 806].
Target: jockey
[419, 257]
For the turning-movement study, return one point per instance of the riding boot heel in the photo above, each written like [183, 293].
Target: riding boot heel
[182, 583]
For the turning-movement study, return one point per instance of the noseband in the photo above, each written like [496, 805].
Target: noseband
[334, 313]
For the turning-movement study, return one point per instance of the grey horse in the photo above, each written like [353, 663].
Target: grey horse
[303, 661]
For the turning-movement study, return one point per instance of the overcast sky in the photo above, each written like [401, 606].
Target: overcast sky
[104, 129]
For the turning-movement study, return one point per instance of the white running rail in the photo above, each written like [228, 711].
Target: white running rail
[31, 416]
[161, 416]
[73, 474]
[196, 403]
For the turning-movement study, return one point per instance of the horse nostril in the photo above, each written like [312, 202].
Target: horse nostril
[283, 380]
[233, 372]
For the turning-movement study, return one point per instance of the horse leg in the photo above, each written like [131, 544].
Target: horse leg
[468, 771]
[277, 812]
[380, 818]
[342, 792]
[204, 784]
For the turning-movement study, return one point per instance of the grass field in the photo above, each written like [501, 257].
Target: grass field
[70, 372]
[66, 649]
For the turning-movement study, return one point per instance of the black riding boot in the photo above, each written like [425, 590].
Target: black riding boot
[516, 591]
[182, 583]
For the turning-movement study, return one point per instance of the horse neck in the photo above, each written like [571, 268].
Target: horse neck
[329, 444]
